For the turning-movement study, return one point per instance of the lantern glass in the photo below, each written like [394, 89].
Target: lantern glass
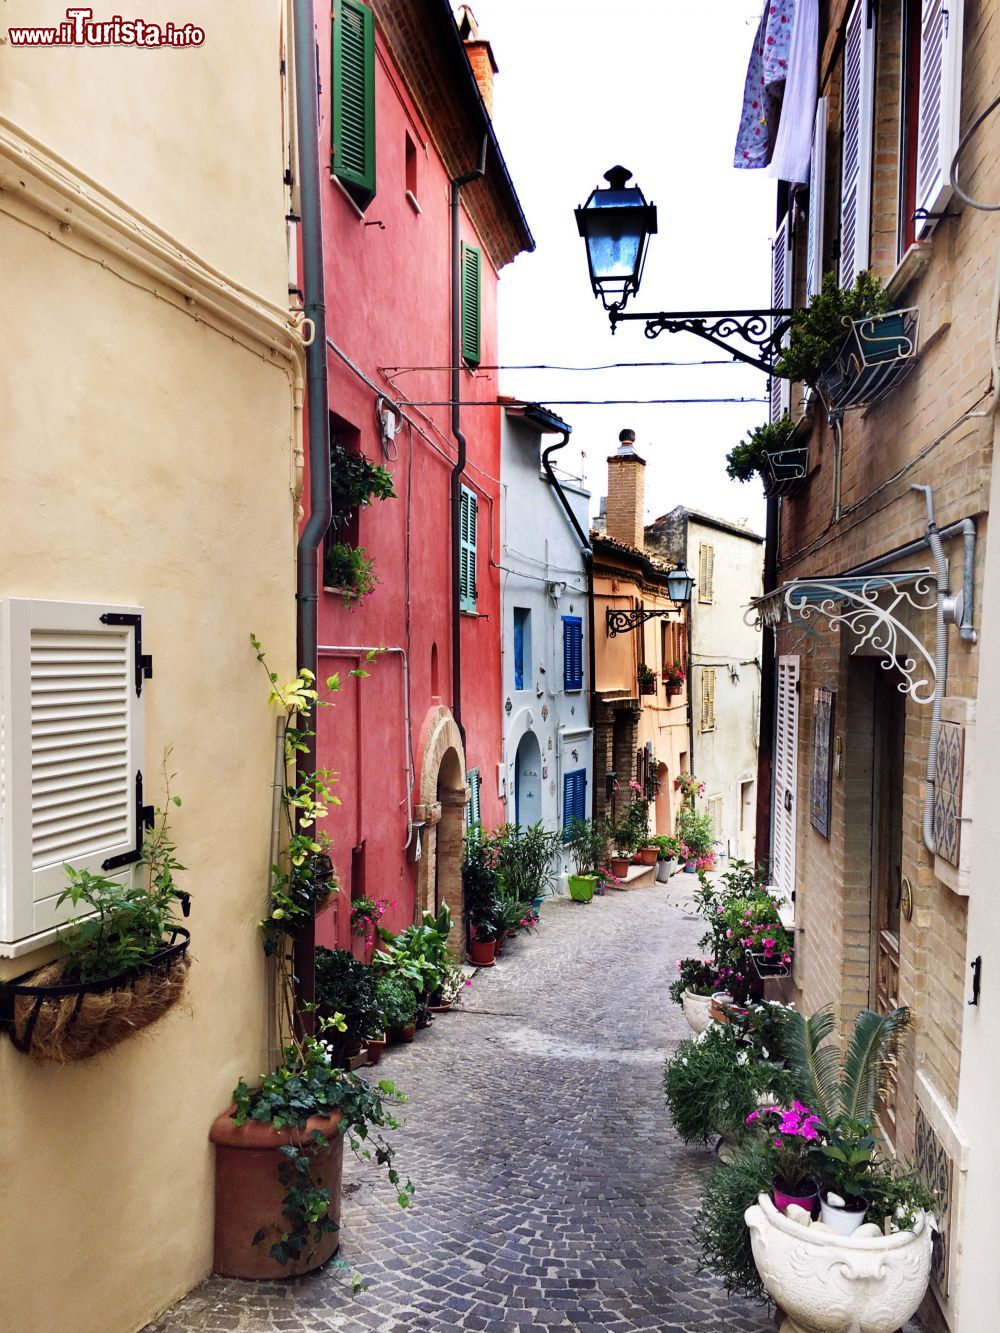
[680, 584]
[616, 224]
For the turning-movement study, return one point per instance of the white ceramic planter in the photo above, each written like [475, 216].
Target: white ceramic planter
[697, 1010]
[838, 1284]
[842, 1221]
[664, 869]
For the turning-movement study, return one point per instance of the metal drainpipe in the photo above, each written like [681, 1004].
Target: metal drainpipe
[940, 667]
[456, 430]
[317, 413]
[588, 559]
[768, 685]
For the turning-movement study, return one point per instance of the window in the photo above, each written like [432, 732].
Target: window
[354, 99]
[708, 698]
[473, 807]
[572, 652]
[71, 751]
[706, 571]
[522, 648]
[411, 170]
[574, 796]
[471, 303]
[781, 293]
[940, 96]
[714, 808]
[856, 162]
[467, 553]
[909, 113]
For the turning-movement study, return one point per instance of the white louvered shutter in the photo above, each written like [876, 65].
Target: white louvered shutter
[786, 750]
[856, 163]
[817, 202]
[781, 299]
[938, 124]
[71, 742]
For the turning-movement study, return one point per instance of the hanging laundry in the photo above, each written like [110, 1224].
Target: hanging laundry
[765, 85]
[793, 145]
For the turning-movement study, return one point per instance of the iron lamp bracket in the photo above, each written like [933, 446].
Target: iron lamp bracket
[624, 622]
[762, 331]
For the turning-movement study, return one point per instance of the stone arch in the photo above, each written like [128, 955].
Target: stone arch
[443, 795]
[664, 814]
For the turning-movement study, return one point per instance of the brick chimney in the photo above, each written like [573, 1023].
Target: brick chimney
[626, 493]
[480, 55]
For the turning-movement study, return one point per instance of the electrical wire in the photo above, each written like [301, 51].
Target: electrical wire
[963, 143]
[586, 402]
[609, 365]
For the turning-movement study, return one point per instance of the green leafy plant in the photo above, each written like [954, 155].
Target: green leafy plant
[667, 849]
[842, 1086]
[350, 569]
[714, 1082]
[817, 331]
[395, 1002]
[695, 831]
[720, 1231]
[896, 1196]
[481, 886]
[345, 986]
[355, 482]
[696, 975]
[420, 954]
[588, 844]
[848, 1152]
[525, 859]
[646, 675]
[305, 1084]
[129, 919]
[747, 459]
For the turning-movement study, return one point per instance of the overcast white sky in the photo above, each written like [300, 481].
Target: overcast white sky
[656, 85]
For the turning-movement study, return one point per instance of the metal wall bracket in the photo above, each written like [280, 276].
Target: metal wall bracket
[624, 622]
[762, 330]
[143, 662]
[144, 815]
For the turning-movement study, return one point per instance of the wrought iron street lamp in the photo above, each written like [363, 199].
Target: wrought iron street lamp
[616, 223]
[680, 585]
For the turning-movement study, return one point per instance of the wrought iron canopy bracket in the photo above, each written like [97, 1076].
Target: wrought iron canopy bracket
[871, 607]
[761, 330]
[624, 622]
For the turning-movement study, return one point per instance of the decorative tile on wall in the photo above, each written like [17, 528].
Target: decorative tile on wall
[936, 1171]
[948, 792]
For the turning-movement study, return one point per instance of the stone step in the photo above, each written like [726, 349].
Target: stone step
[638, 877]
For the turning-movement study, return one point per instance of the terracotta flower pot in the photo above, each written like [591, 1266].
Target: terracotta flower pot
[376, 1045]
[249, 1193]
[647, 856]
[482, 953]
[405, 1034]
[619, 866]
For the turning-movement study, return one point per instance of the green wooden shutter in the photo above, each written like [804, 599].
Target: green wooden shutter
[471, 304]
[467, 551]
[354, 96]
[474, 807]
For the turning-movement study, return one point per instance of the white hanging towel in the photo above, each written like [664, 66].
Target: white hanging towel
[793, 145]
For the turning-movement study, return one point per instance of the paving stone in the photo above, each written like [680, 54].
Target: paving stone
[552, 1191]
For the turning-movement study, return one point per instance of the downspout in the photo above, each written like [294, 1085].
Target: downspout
[940, 668]
[768, 686]
[317, 413]
[456, 429]
[588, 560]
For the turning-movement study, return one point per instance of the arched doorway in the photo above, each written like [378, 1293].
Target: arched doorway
[451, 795]
[528, 781]
[663, 818]
[440, 809]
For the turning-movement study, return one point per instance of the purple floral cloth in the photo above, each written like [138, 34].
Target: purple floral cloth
[765, 85]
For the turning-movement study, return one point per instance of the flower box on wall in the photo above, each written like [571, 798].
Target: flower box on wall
[784, 471]
[876, 353]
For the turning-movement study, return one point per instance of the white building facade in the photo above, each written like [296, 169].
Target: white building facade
[724, 665]
[545, 641]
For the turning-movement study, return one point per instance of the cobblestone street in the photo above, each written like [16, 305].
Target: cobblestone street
[551, 1190]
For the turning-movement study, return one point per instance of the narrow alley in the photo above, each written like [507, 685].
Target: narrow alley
[552, 1191]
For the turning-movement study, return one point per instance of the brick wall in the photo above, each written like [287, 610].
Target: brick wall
[626, 500]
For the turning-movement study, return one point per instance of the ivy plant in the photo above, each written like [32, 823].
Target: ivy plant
[817, 331]
[355, 481]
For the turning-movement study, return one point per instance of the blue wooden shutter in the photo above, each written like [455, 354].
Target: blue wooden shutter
[471, 303]
[473, 809]
[467, 552]
[354, 96]
[574, 796]
[572, 652]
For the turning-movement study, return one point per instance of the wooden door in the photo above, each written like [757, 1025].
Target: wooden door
[887, 853]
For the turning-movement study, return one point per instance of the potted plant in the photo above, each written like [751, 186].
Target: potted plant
[674, 677]
[366, 913]
[647, 679]
[689, 787]
[792, 1135]
[586, 842]
[123, 966]
[350, 571]
[693, 991]
[695, 832]
[525, 860]
[667, 855]
[279, 1159]
[396, 1006]
[346, 986]
[481, 891]
[768, 453]
[354, 484]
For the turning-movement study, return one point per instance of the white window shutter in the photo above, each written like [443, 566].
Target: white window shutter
[938, 122]
[781, 299]
[786, 750]
[856, 162]
[71, 745]
[817, 202]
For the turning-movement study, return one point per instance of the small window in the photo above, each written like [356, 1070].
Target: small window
[522, 648]
[71, 752]
[714, 807]
[708, 698]
[574, 796]
[572, 652]
[473, 807]
[471, 303]
[411, 169]
[706, 573]
[940, 96]
[353, 140]
[468, 523]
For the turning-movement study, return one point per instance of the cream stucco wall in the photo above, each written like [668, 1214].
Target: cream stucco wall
[148, 446]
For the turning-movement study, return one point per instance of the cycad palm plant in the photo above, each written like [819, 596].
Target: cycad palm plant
[850, 1086]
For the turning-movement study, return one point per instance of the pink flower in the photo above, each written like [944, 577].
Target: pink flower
[754, 1115]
